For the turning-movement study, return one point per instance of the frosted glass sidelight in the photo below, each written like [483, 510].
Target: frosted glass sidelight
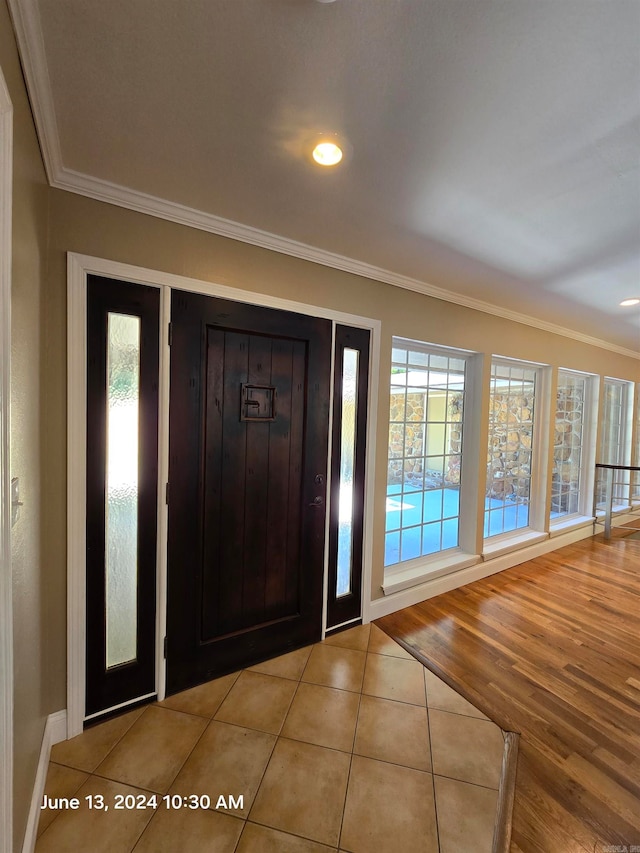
[347, 461]
[121, 504]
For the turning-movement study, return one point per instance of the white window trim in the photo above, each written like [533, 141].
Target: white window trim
[6, 611]
[402, 576]
[584, 515]
[570, 522]
[512, 540]
[78, 268]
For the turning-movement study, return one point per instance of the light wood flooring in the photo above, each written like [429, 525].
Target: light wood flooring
[551, 649]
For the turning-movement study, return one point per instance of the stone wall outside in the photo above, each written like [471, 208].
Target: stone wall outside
[567, 449]
[454, 416]
[414, 438]
[509, 451]
[412, 466]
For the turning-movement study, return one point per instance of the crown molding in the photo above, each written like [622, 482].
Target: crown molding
[26, 22]
[31, 43]
[152, 206]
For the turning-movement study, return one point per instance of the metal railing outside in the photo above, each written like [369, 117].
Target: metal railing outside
[616, 490]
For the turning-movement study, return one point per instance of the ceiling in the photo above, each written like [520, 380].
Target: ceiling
[493, 146]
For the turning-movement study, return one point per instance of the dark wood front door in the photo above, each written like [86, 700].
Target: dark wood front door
[249, 418]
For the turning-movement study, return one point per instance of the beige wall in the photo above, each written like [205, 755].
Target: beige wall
[35, 696]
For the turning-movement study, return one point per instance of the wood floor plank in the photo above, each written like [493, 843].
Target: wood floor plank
[551, 649]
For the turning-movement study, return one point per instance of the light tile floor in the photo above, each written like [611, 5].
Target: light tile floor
[347, 745]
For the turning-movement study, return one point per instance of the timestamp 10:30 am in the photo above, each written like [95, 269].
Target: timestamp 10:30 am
[144, 801]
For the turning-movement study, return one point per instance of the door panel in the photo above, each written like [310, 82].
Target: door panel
[123, 325]
[348, 449]
[260, 465]
[248, 440]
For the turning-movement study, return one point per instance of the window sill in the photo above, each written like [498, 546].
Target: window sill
[571, 522]
[504, 543]
[423, 569]
[616, 509]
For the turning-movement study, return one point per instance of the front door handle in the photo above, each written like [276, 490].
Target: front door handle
[317, 501]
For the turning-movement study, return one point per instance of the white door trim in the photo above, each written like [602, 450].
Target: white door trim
[6, 622]
[76, 494]
[78, 267]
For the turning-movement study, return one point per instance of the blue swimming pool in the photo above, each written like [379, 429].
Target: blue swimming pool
[420, 523]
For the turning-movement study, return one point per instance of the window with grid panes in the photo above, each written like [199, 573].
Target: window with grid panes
[635, 477]
[614, 442]
[615, 439]
[511, 434]
[425, 451]
[570, 415]
[614, 417]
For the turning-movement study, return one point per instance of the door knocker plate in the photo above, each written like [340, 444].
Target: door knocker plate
[257, 403]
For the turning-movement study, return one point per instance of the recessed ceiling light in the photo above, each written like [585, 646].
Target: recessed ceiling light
[634, 300]
[327, 153]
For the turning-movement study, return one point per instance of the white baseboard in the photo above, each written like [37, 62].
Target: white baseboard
[55, 730]
[429, 589]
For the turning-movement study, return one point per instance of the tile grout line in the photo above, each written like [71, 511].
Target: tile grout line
[467, 716]
[353, 746]
[245, 820]
[346, 794]
[73, 793]
[144, 829]
[466, 782]
[199, 738]
[433, 779]
[268, 762]
[111, 748]
[156, 793]
[288, 832]
[179, 770]
[92, 773]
